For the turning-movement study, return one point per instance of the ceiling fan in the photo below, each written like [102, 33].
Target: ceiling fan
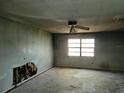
[73, 26]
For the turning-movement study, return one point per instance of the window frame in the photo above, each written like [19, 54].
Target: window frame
[87, 53]
[74, 47]
[88, 44]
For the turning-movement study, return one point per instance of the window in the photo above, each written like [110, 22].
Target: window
[87, 47]
[73, 47]
[81, 47]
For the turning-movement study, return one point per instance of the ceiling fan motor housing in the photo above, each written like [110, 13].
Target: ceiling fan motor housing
[72, 22]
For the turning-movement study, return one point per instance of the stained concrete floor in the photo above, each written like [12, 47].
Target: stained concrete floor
[67, 80]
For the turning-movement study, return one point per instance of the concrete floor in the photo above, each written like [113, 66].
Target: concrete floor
[67, 80]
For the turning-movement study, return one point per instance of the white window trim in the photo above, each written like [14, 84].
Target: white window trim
[88, 45]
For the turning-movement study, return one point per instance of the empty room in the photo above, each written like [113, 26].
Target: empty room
[61, 46]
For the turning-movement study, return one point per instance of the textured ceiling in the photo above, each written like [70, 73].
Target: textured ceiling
[52, 15]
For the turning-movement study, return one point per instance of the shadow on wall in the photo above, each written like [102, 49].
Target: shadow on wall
[23, 72]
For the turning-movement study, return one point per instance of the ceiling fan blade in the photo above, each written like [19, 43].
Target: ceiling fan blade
[82, 27]
[72, 29]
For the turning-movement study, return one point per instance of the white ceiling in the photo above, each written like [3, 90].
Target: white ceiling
[52, 15]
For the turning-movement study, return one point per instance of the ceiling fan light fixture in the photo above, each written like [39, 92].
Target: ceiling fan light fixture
[72, 22]
[73, 26]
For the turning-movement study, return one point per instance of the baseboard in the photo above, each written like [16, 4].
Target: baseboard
[21, 83]
[98, 69]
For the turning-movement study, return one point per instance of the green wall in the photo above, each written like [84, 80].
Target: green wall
[109, 51]
[19, 44]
